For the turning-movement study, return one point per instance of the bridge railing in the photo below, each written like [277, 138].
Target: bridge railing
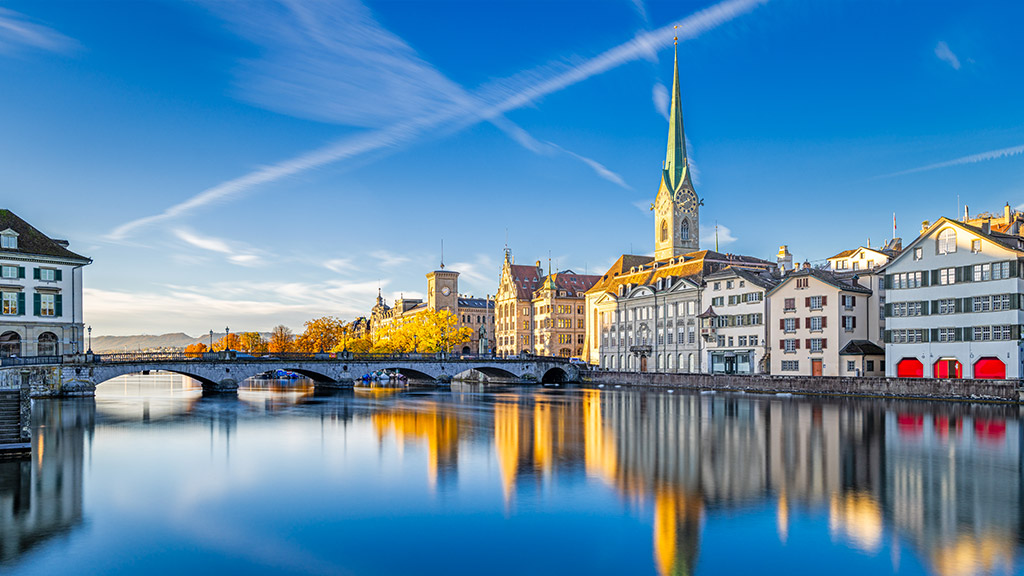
[29, 360]
[135, 357]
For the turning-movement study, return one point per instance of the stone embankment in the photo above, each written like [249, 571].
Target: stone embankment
[15, 415]
[947, 389]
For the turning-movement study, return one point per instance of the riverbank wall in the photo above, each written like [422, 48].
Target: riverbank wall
[15, 415]
[926, 388]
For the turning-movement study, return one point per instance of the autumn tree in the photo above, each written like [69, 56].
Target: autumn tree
[428, 331]
[253, 343]
[321, 335]
[195, 350]
[231, 341]
[281, 340]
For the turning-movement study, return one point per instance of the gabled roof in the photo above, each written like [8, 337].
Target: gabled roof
[33, 242]
[761, 279]
[527, 279]
[573, 284]
[862, 348]
[845, 254]
[827, 276]
[1007, 241]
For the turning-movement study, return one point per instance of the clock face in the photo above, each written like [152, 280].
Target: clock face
[686, 202]
[446, 291]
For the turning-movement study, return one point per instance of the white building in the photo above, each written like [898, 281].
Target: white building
[954, 304]
[734, 324]
[40, 292]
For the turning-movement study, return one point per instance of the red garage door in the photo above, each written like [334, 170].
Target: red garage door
[989, 367]
[910, 368]
[948, 368]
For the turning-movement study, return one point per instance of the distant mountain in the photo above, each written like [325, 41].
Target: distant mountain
[101, 344]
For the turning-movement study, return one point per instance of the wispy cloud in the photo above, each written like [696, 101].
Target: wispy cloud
[600, 169]
[946, 55]
[659, 95]
[480, 273]
[17, 31]
[339, 265]
[387, 259]
[452, 108]
[643, 206]
[725, 235]
[972, 159]
[235, 255]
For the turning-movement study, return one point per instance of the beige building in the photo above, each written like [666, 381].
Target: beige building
[734, 324]
[866, 264]
[540, 314]
[814, 315]
[442, 294]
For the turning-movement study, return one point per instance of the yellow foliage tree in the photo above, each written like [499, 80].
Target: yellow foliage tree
[195, 350]
[428, 332]
[253, 343]
[321, 335]
[281, 340]
[231, 340]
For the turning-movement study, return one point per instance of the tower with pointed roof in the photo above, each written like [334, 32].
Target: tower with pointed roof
[677, 207]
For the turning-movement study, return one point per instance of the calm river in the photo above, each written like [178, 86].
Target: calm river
[152, 478]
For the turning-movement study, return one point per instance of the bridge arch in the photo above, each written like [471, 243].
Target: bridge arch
[555, 375]
[411, 374]
[496, 372]
[104, 377]
[315, 376]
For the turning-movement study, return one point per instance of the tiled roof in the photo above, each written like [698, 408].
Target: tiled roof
[527, 279]
[763, 279]
[34, 242]
[861, 348]
[644, 270]
[845, 253]
[573, 284]
[827, 276]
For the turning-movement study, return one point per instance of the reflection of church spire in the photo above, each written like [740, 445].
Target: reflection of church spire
[677, 517]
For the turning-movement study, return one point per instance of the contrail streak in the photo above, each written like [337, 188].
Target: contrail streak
[972, 159]
[688, 28]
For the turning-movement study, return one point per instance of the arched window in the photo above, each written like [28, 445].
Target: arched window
[684, 231]
[664, 231]
[10, 344]
[682, 367]
[47, 344]
[947, 241]
[691, 366]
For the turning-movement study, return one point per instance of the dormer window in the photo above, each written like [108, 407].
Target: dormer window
[946, 244]
[9, 240]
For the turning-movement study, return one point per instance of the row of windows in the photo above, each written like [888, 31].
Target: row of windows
[729, 341]
[954, 275]
[678, 363]
[728, 284]
[818, 302]
[954, 334]
[791, 345]
[985, 303]
[44, 274]
[45, 305]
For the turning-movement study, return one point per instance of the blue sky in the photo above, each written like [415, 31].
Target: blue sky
[249, 164]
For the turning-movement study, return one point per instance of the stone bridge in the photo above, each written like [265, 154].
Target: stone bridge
[223, 372]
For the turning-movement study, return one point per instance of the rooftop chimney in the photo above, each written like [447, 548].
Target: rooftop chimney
[967, 214]
[986, 227]
[926, 224]
[1007, 213]
[807, 265]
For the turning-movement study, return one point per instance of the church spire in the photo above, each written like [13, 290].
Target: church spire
[675, 168]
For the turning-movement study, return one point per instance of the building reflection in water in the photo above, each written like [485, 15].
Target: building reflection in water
[42, 498]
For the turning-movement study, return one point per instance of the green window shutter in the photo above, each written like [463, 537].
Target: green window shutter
[926, 308]
[934, 336]
[21, 303]
[935, 277]
[58, 305]
[958, 334]
[1013, 269]
[968, 274]
[37, 304]
[887, 336]
[21, 272]
[888, 310]
[58, 275]
[35, 273]
[888, 281]
[958, 305]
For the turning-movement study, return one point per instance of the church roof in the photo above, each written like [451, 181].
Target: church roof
[644, 270]
[33, 242]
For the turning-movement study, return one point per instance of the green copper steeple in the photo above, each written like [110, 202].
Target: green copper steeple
[675, 168]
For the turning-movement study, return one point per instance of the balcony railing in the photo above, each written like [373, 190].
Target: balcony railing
[29, 360]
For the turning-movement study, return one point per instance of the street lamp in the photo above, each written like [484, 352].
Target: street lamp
[211, 340]
[90, 339]
[227, 339]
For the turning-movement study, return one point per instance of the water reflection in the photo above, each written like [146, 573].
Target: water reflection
[41, 498]
[917, 487]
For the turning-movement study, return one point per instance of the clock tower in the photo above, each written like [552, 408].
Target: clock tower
[677, 206]
[443, 290]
